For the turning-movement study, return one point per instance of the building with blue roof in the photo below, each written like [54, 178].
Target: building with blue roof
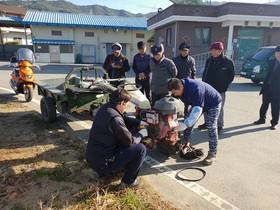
[61, 37]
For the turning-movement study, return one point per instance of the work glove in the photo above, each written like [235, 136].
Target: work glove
[148, 142]
[143, 132]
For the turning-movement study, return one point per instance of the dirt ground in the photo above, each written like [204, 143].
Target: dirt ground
[42, 166]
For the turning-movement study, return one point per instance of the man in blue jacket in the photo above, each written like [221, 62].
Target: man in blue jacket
[141, 67]
[202, 98]
[111, 146]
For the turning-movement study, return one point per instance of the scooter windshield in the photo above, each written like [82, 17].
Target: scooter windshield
[25, 54]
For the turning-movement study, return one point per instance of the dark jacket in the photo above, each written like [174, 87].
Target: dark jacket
[141, 64]
[219, 72]
[108, 135]
[162, 71]
[271, 82]
[198, 93]
[185, 66]
[115, 73]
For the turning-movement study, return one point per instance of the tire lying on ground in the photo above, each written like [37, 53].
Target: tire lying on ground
[48, 109]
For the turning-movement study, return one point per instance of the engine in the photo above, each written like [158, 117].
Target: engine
[163, 126]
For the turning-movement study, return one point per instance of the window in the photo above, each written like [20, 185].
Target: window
[89, 34]
[42, 48]
[168, 36]
[202, 36]
[18, 39]
[140, 36]
[56, 33]
[66, 48]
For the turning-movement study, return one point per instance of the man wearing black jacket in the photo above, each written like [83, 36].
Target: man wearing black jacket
[270, 92]
[116, 64]
[219, 73]
[185, 65]
[111, 146]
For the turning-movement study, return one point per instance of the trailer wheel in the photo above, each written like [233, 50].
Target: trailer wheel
[48, 109]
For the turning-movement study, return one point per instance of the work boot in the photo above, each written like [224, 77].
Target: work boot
[211, 157]
[259, 121]
[202, 126]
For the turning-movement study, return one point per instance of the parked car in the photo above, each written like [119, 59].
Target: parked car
[255, 66]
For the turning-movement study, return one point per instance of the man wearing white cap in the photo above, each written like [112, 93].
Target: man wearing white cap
[116, 64]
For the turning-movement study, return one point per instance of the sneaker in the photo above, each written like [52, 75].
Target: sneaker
[273, 127]
[132, 185]
[211, 157]
[202, 126]
[259, 121]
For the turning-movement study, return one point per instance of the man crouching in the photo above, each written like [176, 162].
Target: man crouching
[111, 146]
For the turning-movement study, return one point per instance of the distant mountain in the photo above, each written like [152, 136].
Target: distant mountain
[68, 7]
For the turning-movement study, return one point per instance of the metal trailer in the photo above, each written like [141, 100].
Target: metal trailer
[74, 93]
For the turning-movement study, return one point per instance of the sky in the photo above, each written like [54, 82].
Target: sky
[144, 6]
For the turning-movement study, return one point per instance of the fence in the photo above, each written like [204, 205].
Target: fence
[200, 60]
[6, 51]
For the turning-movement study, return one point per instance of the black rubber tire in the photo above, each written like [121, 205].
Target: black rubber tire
[48, 109]
[28, 94]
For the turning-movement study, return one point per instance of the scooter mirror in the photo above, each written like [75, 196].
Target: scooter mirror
[13, 65]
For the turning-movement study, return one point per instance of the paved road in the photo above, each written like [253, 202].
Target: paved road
[246, 174]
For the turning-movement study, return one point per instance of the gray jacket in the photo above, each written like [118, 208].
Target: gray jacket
[162, 71]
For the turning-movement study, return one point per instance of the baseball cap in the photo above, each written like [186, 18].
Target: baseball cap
[116, 47]
[157, 49]
[277, 49]
[184, 46]
[217, 46]
[141, 45]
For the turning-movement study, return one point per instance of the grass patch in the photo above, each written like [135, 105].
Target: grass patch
[57, 174]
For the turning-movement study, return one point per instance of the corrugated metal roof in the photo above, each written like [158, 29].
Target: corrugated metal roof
[52, 41]
[12, 19]
[79, 20]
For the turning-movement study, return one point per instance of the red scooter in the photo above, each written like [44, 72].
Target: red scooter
[22, 78]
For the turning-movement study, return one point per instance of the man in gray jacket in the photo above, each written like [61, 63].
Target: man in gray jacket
[162, 70]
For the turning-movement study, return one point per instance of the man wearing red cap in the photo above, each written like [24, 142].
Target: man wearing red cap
[219, 73]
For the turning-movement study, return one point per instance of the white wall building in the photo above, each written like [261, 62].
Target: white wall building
[62, 37]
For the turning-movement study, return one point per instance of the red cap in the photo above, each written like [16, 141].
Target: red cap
[217, 46]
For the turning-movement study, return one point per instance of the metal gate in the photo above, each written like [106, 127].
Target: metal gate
[88, 53]
[54, 53]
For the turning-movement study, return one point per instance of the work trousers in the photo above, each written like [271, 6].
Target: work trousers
[156, 97]
[130, 159]
[274, 104]
[145, 89]
[221, 115]
[211, 120]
